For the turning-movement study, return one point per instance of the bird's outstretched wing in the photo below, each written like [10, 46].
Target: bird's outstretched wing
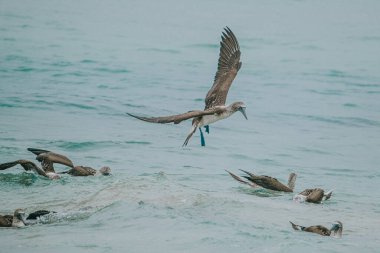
[228, 66]
[47, 158]
[176, 119]
[27, 165]
[37, 151]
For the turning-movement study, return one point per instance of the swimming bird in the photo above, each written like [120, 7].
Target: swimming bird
[28, 166]
[315, 195]
[20, 219]
[336, 229]
[47, 158]
[266, 181]
[215, 109]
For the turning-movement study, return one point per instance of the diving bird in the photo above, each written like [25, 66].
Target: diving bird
[20, 219]
[47, 158]
[215, 108]
[266, 181]
[335, 231]
[315, 195]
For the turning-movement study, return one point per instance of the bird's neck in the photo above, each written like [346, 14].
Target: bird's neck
[17, 222]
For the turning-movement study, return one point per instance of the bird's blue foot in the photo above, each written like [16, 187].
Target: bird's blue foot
[203, 142]
[207, 129]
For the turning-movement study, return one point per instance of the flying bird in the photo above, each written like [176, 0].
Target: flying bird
[215, 102]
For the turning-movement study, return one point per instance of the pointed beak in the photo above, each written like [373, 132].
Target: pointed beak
[242, 110]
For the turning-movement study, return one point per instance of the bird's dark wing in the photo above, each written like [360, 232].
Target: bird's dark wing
[237, 178]
[315, 196]
[38, 151]
[36, 214]
[27, 165]
[306, 192]
[176, 119]
[228, 66]
[82, 171]
[318, 230]
[55, 158]
[51, 156]
[5, 166]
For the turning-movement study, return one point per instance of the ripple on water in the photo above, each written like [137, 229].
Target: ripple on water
[342, 121]
[21, 179]
[89, 145]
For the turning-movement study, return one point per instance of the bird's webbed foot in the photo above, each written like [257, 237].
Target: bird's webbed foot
[203, 142]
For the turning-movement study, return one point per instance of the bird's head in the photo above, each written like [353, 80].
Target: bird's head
[239, 106]
[19, 217]
[105, 171]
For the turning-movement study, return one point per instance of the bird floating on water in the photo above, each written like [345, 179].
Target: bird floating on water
[47, 161]
[20, 219]
[47, 158]
[266, 181]
[215, 109]
[315, 195]
[335, 231]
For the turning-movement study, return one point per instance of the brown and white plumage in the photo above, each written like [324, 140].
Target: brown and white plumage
[215, 108]
[315, 195]
[228, 66]
[20, 219]
[83, 171]
[48, 158]
[266, 181]
[336, 229]
[6, 220]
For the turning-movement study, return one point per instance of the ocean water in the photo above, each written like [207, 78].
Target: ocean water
[70, 70]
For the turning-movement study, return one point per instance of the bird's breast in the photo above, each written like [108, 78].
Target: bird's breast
[209, 119]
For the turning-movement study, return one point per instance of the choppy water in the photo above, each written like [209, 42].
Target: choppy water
[69, 71]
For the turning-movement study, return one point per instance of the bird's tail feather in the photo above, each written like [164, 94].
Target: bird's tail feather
[296, 227]
[292, 180]
[240, 180]
[328, 194]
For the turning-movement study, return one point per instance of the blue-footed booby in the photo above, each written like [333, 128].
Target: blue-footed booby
[215, 109]
[266, 181]
[47, 158]
[315, 195]
[47, 161]
[334, 231]
[20, 219]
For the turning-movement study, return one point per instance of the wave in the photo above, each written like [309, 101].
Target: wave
[88, 145]
[159, 50]
[204, 45]
[343, 121]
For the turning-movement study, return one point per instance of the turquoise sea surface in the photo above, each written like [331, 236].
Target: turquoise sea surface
[71, 70]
